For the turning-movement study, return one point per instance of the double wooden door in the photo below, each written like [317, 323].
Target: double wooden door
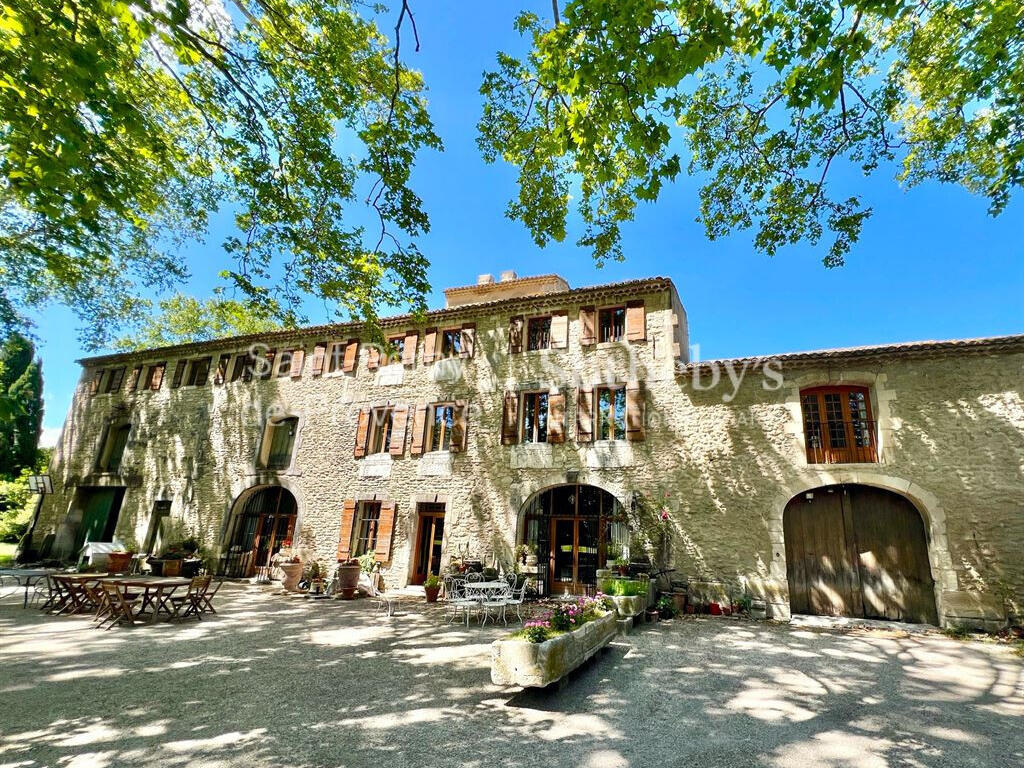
[858, 551]
[575, 546]
[429, 542]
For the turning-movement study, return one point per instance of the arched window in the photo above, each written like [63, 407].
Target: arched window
[838, 427]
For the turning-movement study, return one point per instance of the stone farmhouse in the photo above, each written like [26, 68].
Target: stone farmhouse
[880, 481]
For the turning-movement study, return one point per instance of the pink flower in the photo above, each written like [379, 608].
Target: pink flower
[664, 515]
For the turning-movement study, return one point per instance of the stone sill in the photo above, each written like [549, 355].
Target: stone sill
[608, 454]
[519, 662]
[376, 465]
[531, 456]
[435, 464]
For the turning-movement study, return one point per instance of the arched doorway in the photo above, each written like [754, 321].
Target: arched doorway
[262, 520]
[855, 550]
[574, 530]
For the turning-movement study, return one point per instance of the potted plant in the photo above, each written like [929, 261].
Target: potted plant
[432, 587]
[119, 561]
[348, 577]
[290, 565]
[315, 576]
[490, 574]
[666, 607]
[622, 564]
[171, 559]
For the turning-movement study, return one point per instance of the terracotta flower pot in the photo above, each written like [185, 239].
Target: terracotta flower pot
[432, 593]
[118, 562]
[348, 580]
[172, 568]
[716, 609]
[290, 575]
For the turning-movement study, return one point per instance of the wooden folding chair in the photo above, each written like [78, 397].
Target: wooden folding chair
[122, 608]
[206, 598]
[191, 601]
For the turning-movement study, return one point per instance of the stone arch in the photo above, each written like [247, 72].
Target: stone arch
[923, 500]
[242, 553]
[519, 503]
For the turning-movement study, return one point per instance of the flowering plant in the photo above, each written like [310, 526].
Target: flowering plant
[536, 631]
[285, 555]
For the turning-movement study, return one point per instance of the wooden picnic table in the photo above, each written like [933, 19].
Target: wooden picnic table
[156, 591]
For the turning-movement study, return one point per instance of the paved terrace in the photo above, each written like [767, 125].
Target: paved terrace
[275, 681]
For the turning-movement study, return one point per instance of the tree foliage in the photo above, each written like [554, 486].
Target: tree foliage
[183, 319]
[125, 124]
[21, 391]
[759, 99]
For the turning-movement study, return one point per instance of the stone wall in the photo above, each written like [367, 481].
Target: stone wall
[724, 459]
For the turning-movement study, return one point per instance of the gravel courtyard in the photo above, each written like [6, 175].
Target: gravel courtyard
[275, 681]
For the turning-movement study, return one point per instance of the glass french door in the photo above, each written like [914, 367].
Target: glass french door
[575, 545]
[429, 540]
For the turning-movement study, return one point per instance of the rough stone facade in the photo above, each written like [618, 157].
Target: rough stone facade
[723, 458]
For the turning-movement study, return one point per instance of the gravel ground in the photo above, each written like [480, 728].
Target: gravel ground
[275, 681]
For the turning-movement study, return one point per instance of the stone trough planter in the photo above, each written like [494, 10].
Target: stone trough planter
[628, 607]
[519, 662]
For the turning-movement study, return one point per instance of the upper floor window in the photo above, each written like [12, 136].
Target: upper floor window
[198, 372]
[155, 376]
[396, 349]
[241, 363]
[538, 333]
[278, 443]
[115, 380]
[451, 342]
[113, 448]
[442, 422]
[535, 418]
[611, 412]
[381, 423]
[838, 427]
[611, 324]
[284, 364]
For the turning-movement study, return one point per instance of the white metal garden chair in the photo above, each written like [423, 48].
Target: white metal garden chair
[496, 602]
[457, 602]
[381, 597]
[517, 598]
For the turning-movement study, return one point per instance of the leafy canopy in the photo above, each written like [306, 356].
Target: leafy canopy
[124, 125]
[759, 98]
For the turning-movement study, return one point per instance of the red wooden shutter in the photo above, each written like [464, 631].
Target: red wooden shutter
[157, 377]
[636, 321]
[412, 340]
[458, 441]
[362, 432]
[559, 330]
[351, 355]
[222, 369]
[635, 411]
[319, 353]
[556, 417]
[372, 357]
[510, 419]
[348, 516]
[385, 529]
[419, 425]
[515, 335]
[133, 379]
[468, 339]
[298, 358]
[179, 372]
[587, 322]
[399, 428]
[429, 344]
[268, 371]
[584, 415]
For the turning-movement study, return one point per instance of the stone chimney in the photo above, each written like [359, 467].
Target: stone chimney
[510, 286]
[486, 279]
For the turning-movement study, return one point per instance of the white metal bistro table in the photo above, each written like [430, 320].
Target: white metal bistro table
[26, 577]
[483, 591]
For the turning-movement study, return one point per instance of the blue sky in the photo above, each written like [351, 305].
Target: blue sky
[931, 264]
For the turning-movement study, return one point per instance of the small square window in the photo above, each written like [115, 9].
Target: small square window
[611, 324]
[538, 333]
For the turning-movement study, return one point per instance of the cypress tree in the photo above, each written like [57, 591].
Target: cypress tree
[21, 387]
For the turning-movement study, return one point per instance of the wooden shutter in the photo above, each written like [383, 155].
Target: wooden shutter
[94, 385]
[157, 377]
[510, 419]
[179, 373]
[399, 427]
[319, 353]
[556, 417]
[222, 369]
[585, 415]
[372, 357]
[351, 355]
[362, 432]
[269, 362]
[412, 340]
[298, 358]
[250, 367]
[133, 379]
[559, 330]
[429, 345]
[468, 340]
[419, 426]
[348, 516]
[635, 411]
[385, 529]
[588, 316]
[636, 321]
[515, 335]
[458, 441]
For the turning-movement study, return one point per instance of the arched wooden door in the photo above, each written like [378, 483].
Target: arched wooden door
[858, 551]
[264, 523]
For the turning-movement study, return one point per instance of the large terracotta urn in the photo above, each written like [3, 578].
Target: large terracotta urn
[290, 575]
[348, 578]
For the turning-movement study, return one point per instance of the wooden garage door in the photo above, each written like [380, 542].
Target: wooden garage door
[858, 551]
